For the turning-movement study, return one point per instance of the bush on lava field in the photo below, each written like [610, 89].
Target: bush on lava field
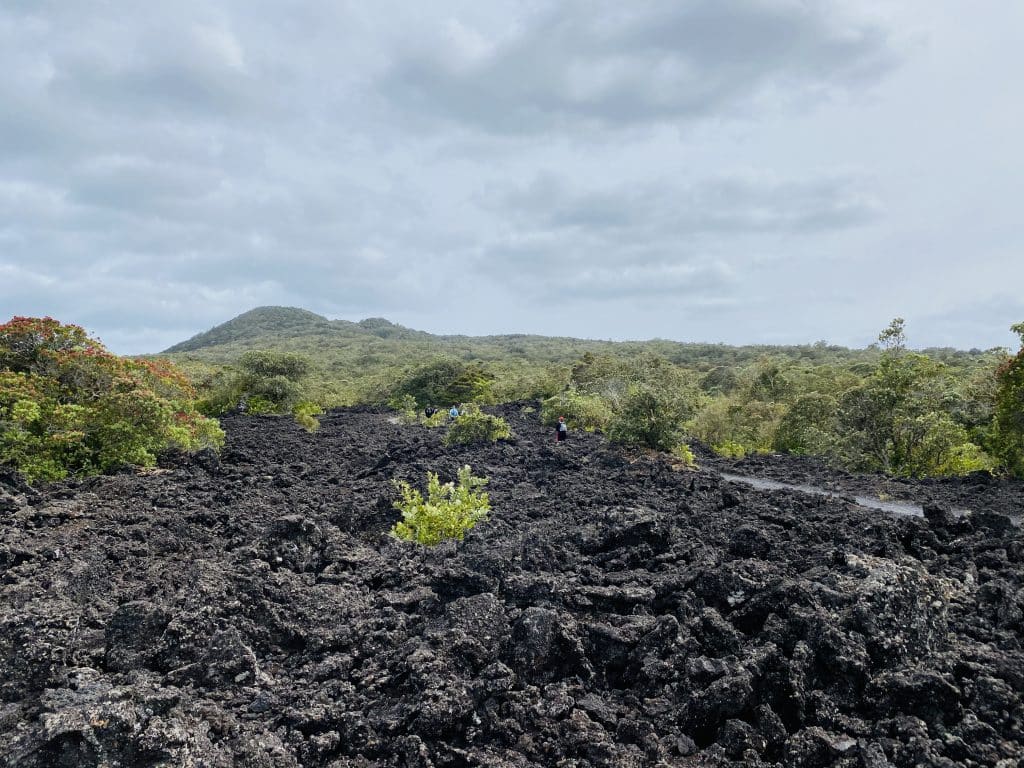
[449, 510]
[475, 426]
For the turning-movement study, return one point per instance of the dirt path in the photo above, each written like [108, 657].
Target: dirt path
[613, 612]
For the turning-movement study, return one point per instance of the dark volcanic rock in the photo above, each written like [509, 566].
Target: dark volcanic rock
[251, 611]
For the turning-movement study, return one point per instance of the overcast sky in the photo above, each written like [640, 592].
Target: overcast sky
[745, 171]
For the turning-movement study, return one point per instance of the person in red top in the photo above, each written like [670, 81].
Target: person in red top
[561, 430]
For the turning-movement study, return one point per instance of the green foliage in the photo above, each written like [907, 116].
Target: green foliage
[587, 412]
[747, 395]
[1008, 422]
[738, 420]
[730, 450]
[67, 405]
[808, 427]
[651, 417]
[475, 426]
[444, 381]
[439, 419]
[265, 382]
[639, 401]
[305, 414]
[898, 421]
[684, 454]
[894, 338]
[449, 510]
[720, 381]
[269, 364]
[407, 408]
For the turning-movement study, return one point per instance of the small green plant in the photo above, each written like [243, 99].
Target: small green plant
[730, 450]
[685, 456]
[474, 426]
[449, 510]
[305, 413]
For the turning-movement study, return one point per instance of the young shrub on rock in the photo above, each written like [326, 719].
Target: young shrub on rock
[305, 413]
[449, 510]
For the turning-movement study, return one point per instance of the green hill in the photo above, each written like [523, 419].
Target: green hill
[267, 324]
[357, 362]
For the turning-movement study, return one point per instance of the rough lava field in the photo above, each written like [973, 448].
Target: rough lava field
[615, 611]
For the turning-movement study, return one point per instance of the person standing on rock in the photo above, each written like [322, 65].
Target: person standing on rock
[561, 430]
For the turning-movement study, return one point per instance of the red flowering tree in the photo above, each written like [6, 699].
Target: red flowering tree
[67, 405]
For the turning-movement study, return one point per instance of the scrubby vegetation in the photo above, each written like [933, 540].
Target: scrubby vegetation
[448, 511]
[581, 411]
[67, 405]
[885, 408]
[1008, 424]
[475, 426]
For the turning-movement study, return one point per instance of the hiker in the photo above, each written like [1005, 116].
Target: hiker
[561, 430]
[430, 411]
[453, 414]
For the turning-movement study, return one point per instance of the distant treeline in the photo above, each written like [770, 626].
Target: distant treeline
[885, 408]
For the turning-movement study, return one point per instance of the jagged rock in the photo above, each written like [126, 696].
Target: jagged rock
[132, 635]
[612, 611]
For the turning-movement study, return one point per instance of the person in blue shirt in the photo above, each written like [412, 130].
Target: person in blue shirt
[453, 414]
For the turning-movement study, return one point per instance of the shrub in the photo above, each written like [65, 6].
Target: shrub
[67, 405]
[685, 456]
[587, 412]
[474, 426]
[444, 381]
[650, 416]
[439, 419]
[267, 364]
[406, 407]
[448, 511]
[266, 382]
[808, 427]
[730, 450]
[305, 414]
[748, 423]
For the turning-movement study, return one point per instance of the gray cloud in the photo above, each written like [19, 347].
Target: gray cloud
[614, 64]
[730, 205]
[604, 169]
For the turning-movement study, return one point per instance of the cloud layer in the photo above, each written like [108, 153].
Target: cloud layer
[597, 169]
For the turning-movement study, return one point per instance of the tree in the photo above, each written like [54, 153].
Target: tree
[445, 381]
[899, 420]
[1008, 422]
[808, 427]
[266, 380]
[67, 405]
[651, 417]
[894, 338]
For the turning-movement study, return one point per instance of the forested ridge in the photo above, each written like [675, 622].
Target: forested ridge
[887, 407]
[68, 405]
